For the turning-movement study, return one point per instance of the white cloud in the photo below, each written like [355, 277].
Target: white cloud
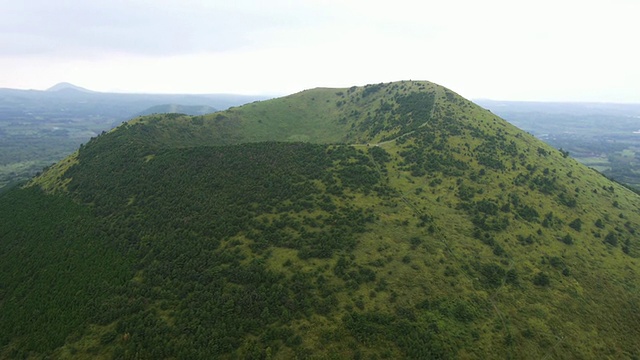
[561, 50]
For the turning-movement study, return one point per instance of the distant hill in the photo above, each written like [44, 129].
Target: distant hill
[177, 109]
[395, 221]
[58, 101]
[67, 86]
[38, 128]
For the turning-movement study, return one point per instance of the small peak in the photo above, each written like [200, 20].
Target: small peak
[67, 86]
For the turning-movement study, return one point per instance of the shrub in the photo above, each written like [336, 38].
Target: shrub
[611, 239]
[567, 239]
[493, 274]
[576, 224]
[541, 279]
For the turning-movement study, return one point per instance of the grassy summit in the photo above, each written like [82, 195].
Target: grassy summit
[388, 221]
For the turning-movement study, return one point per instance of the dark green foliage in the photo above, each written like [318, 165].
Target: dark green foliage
[528, 213]
[54, 259]
[493, 223]
[567, 200]
[431, 153]
[108, 337]
[488, 207]
[545, 183]
[241, 182]
[416, 339]
[611, 239]
[154, 206]
[567, 239]
[576, 224]
[489, 153]
[551, 221]
[397, 116]
[379, 155]
[415, 242]
[465, 192]
[488, 239]
[542, 152]
[528, 240]
[371, 89]
[489, 161]
[556, 262]
[511, 277]
[541, 279]
[414, 109]
[359, 176]
[626, 247]
[493, 274]
[368, 327]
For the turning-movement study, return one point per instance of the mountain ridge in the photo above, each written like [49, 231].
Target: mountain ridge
[177, 109]
[392, 220]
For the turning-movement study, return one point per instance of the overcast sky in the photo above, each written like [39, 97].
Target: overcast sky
[561, 50]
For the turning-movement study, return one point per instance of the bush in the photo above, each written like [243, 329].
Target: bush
[611, 239]
[541, 279]
[567, 239]
[528, 213]
[576, 224]
[493, 274]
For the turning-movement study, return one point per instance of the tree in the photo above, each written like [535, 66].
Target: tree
[611, 239]
[576, 224]
[541, 279]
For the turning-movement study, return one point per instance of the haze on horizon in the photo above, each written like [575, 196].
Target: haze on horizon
[544, 50]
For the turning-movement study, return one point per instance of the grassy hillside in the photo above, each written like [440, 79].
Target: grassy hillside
[388, 221]
[369, 114]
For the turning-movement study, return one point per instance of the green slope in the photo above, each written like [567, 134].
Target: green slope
[388, 221]
[369, 114]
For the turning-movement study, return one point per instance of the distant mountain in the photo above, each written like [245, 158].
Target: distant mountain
[390, 221]
[69, 100]
[566, 108]
[177, 109]
[38, 128]
[67, 86]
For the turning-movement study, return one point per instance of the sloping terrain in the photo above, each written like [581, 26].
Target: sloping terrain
[388, 221]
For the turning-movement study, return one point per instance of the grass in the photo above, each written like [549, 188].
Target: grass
[52, 180]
